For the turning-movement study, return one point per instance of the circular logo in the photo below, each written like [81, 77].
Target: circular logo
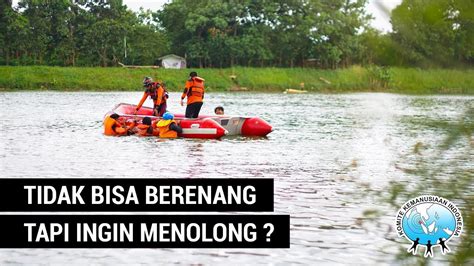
[429, 221]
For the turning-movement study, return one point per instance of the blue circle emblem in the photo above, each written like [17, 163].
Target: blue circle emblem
[428, 222]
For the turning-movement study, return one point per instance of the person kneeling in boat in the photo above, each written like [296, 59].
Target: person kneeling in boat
[146, 128]
[112, 127]
[194, 90]
[168, 127]
[157, 93]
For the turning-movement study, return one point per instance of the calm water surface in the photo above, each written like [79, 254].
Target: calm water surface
[326, 151]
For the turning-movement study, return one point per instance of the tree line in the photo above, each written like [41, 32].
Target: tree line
[212, 33]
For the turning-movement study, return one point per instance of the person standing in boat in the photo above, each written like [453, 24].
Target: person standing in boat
[157, 92]
[194, 90]
[168, 128]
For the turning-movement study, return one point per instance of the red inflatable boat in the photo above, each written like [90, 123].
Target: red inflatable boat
[207, 127]
[192, 128]
[240, 125]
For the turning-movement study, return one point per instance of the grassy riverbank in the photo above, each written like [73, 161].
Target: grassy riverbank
[354, 79]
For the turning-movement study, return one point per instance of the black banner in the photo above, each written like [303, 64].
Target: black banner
[144, 231]
[133, 195]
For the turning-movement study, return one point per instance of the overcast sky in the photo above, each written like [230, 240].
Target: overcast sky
[375, 7]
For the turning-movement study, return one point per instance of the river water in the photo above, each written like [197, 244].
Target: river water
[326, 153]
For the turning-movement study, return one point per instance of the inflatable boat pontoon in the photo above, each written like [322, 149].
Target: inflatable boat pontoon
[204, 126]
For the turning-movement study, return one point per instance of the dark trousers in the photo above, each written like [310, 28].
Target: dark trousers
[161, 111]
[192, 110]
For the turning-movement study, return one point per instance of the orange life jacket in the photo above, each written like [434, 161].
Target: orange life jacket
[143, 130]
[194, 90]
[157, 93]
[113, 128]
[165, 131]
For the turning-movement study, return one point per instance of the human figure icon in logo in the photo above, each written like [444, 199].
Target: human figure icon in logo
[414, 247]
[444, 248]
[429, 251]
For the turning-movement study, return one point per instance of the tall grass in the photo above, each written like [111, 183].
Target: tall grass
[398, 80]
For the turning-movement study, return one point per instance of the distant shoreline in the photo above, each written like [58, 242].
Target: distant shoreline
[353, 79]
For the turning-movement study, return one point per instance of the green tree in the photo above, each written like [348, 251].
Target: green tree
[14, 33]
[336, 32]
[40, 38]
[145, 44]
[434, 32]
[462, 14]
[105, 40]
[209, 33]
[377, 48]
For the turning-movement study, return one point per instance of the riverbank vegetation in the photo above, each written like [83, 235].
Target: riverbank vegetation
[221, 34]
[352, 79]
